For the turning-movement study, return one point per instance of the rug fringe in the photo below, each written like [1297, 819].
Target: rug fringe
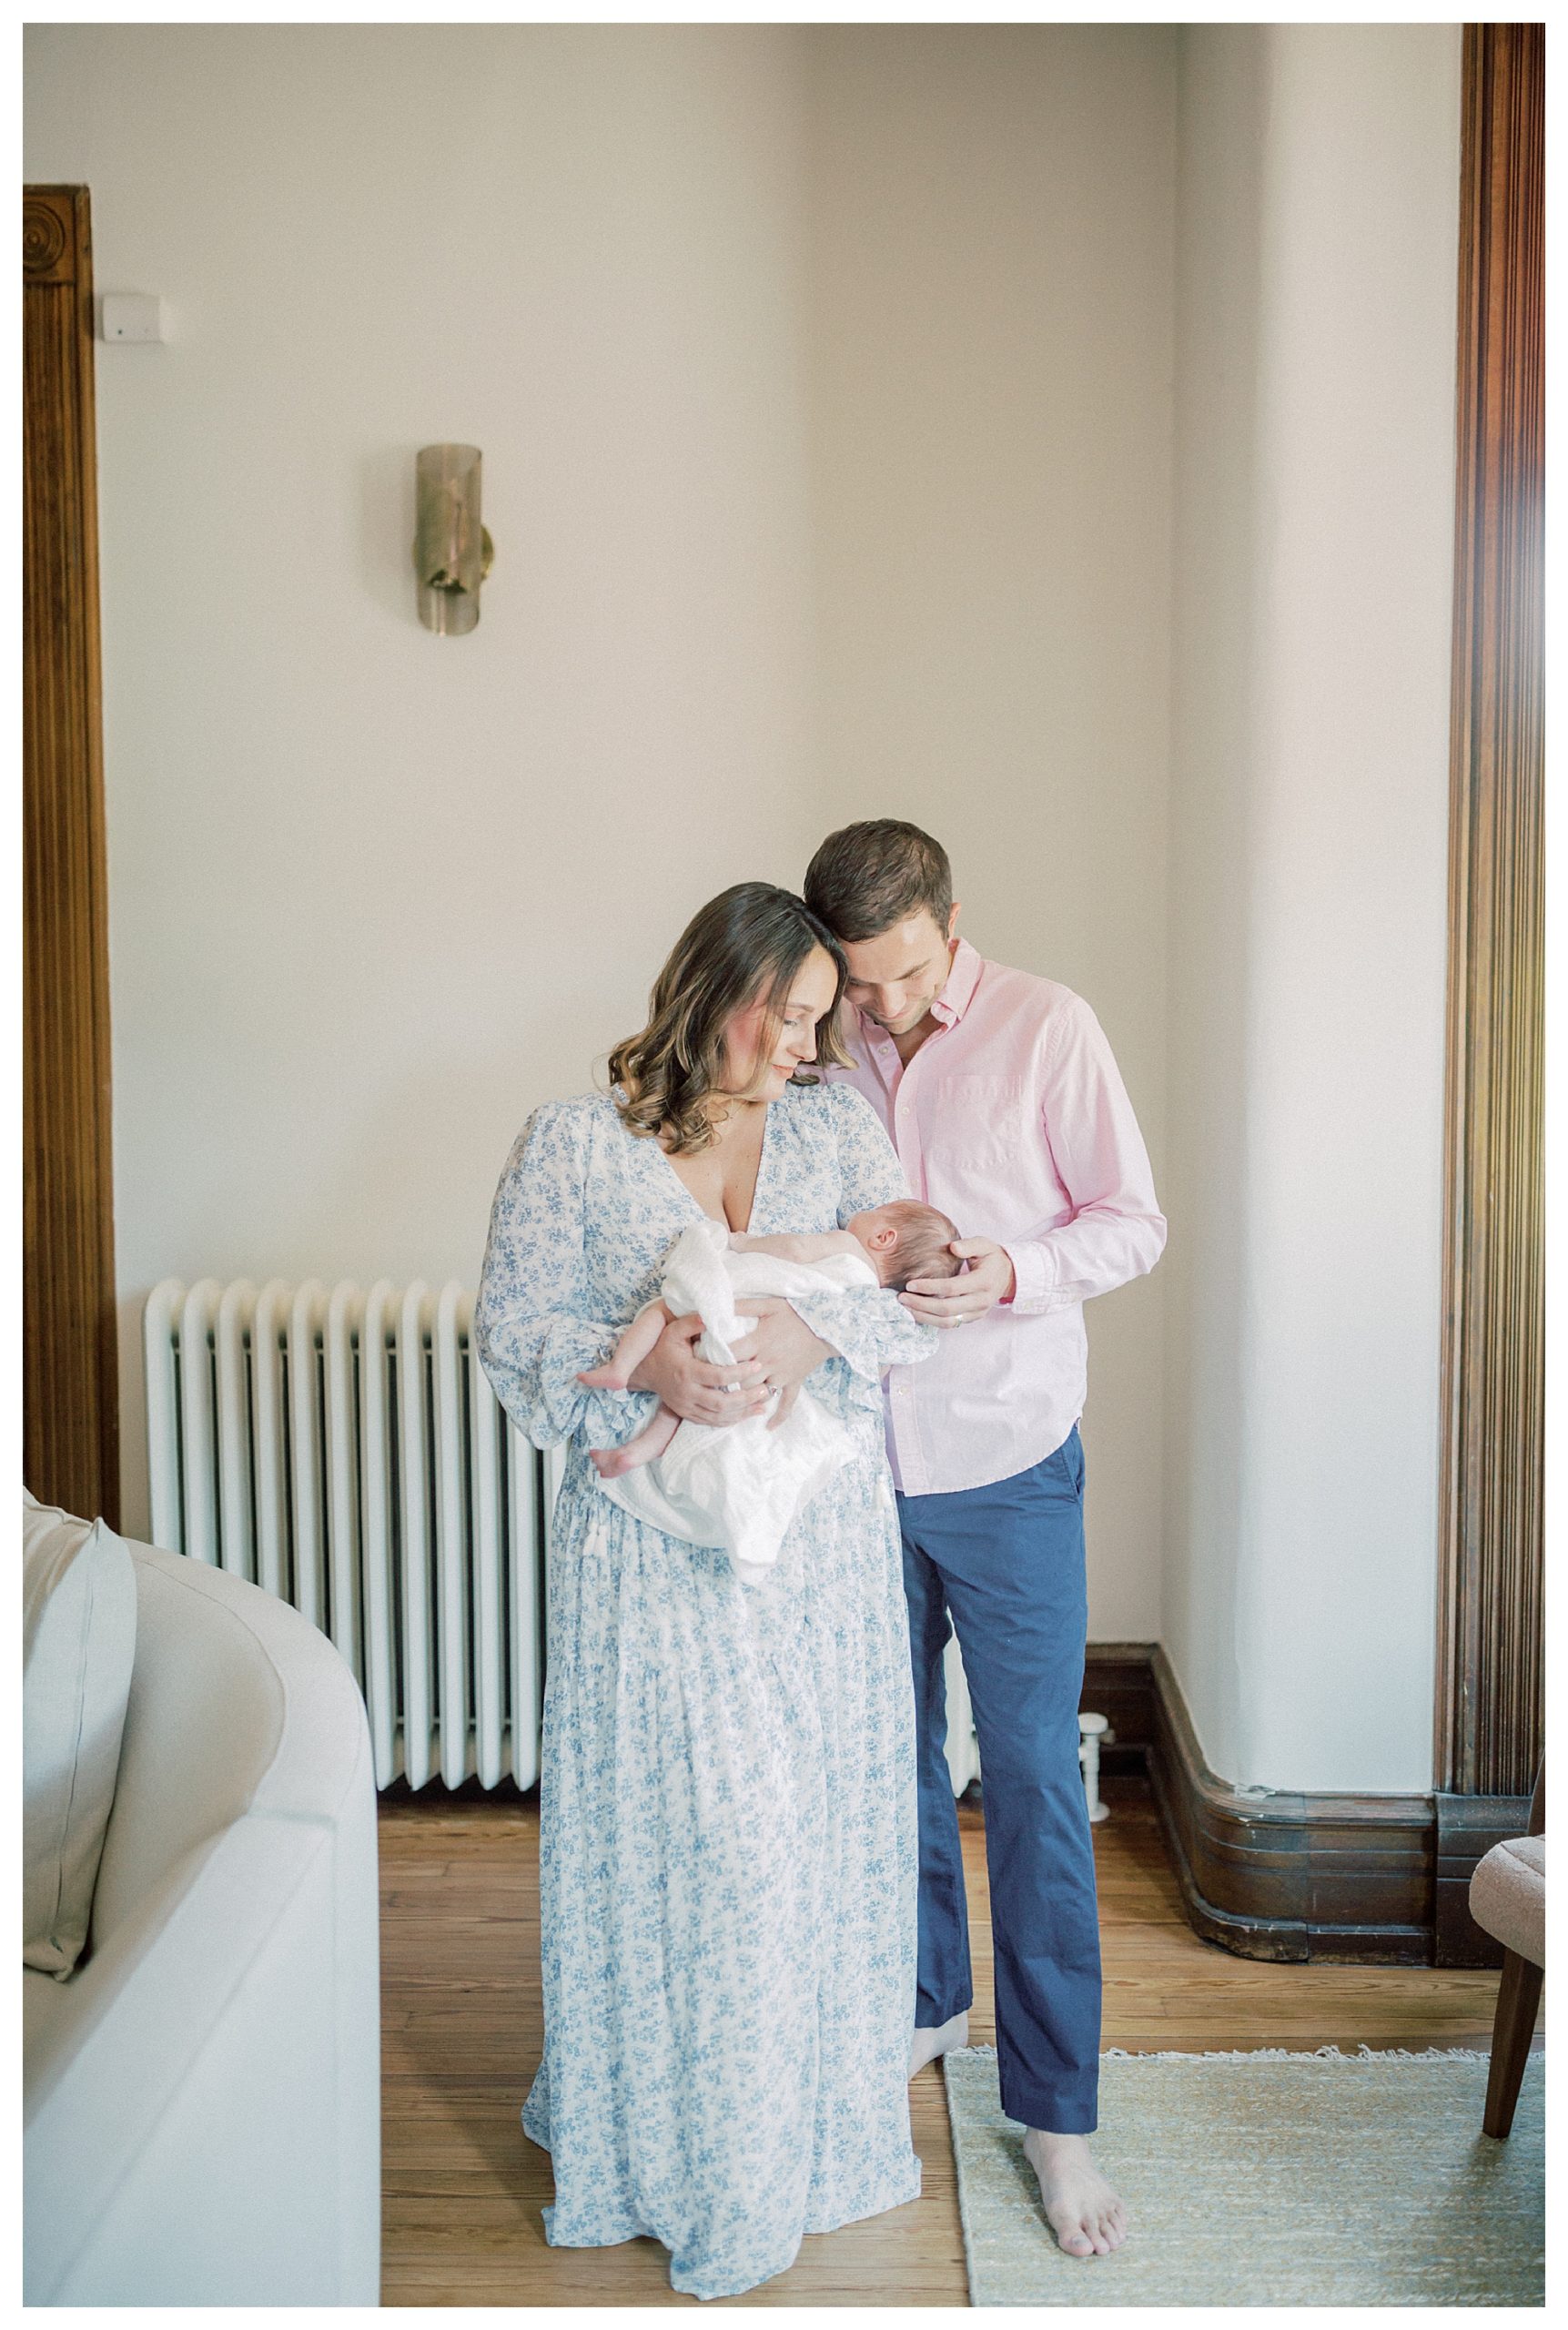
[1364, 2054]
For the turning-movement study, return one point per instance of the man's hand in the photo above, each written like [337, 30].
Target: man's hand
[693, 1388]
[783, 1346]
[950, 1302]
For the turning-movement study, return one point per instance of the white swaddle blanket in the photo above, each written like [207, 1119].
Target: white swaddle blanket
[739, 1485]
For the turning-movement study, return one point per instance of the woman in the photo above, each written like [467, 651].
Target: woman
[727, 1869]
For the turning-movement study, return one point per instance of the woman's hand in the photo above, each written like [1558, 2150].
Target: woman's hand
[782, 1347]
[949, 1301]
[691, 1387]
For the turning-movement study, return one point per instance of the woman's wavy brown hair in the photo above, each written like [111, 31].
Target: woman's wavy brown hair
[744, 945]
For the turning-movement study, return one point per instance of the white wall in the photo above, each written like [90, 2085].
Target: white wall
[374, 893]
[824, 378]
[991, 288]
[712, 301]
[1317, 285]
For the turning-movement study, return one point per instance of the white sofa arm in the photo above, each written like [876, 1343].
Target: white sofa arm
[212, 2139]
[202, 2109]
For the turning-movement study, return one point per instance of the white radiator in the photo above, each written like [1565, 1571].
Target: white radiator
[344, 1451]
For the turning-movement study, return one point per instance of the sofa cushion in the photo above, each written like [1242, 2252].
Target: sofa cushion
[78, 1640]
[1508, 1896]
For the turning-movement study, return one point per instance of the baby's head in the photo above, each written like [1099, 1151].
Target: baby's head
[906, 1240]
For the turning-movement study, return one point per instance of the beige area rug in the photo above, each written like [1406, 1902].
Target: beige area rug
[1269, 2179]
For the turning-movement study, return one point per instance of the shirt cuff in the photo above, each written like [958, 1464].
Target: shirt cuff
[1035, 1276]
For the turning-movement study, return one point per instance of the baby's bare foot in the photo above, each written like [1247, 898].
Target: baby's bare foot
[608, 1378]
[1087, 2215]
[611, 1462]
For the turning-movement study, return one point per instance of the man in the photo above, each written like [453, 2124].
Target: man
[1003, 1102]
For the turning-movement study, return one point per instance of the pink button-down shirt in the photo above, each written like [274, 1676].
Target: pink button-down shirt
[1012, 1118]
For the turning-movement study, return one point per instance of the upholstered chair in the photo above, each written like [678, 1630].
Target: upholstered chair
[1508, 1900]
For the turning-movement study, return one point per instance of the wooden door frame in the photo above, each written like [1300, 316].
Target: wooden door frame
[1488, 1698]
[70, 1360]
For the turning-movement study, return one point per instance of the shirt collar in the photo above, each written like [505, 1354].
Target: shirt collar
[962, 980]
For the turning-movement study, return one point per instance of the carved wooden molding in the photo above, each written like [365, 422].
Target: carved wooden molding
[71, 1423]
[1489, 1696]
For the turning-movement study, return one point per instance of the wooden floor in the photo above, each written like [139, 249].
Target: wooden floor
[461, 2031]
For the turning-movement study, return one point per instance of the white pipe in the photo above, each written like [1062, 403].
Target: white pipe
[1091, 1728]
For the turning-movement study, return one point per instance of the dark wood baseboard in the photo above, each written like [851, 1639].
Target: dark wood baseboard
[1119, 1684]
[1467, 1827]
[1377, 1881]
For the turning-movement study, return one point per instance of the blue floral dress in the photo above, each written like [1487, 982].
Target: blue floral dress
[728, 1835]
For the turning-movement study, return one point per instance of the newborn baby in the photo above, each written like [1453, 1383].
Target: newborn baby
[903, 1240]
[740, 1486]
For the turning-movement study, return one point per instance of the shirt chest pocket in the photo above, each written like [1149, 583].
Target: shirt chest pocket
[981, 1124]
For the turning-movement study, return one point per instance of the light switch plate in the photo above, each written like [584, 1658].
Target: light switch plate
[130, 315]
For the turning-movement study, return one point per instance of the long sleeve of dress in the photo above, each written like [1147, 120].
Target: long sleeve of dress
[872, 1330]
[533, 1327]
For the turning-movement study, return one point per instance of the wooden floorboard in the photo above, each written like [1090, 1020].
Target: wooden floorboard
[462, 2029]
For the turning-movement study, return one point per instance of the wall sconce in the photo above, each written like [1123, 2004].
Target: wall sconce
[453, 552]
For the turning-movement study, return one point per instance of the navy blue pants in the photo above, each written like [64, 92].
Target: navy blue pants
[1006, 1560]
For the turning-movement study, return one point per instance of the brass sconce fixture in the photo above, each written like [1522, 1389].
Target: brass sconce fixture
[453, 552]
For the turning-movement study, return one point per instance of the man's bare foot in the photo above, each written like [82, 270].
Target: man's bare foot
[1087, 2216]
[608, 1378]
[924, 2046]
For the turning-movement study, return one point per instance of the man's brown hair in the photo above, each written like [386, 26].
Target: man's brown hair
[866, 877]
